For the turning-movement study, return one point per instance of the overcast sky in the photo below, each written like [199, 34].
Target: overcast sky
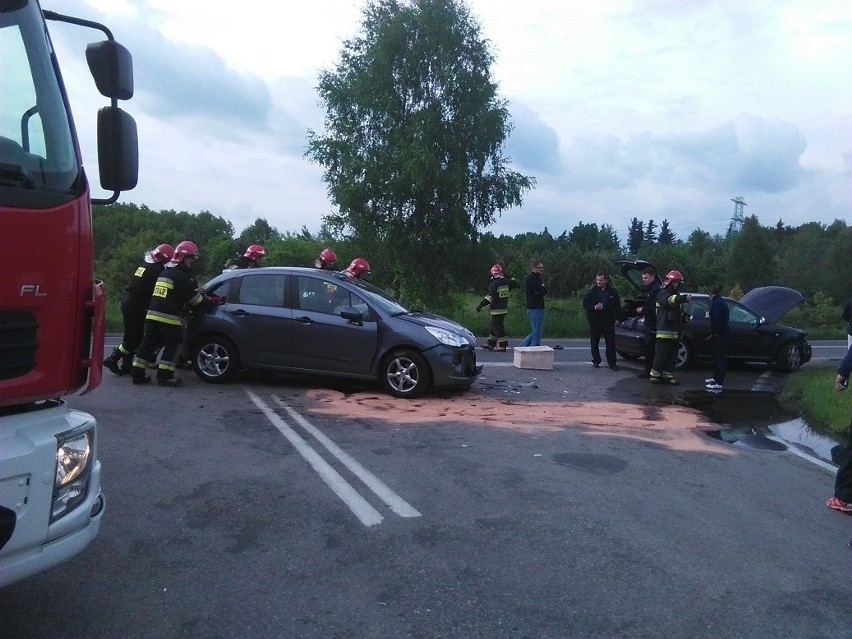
[656, 109]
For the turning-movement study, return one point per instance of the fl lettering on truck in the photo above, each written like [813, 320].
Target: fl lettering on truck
[52, 311]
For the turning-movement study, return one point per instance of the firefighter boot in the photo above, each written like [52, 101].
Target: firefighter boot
[112, 362]
[127, 363]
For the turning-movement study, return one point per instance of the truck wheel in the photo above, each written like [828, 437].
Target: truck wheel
[215, 359]
[404, 373]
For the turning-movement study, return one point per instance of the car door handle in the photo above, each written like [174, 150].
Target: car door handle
[305, 320]
[239, 312]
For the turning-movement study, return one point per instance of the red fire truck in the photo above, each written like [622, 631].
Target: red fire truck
[51, 308]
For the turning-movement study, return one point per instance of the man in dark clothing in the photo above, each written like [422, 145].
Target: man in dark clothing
[720, 335]
[174, 289]
[498, 299]
[602, 304]
[648, 311]
[134, 305]
[670, 323]
[534, 292]
[847, 317]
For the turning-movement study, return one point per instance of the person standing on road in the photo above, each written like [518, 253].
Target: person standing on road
[498, 299]
[534, 292]
[842, 499]
[174, 290]
[670, 323]
[134, 305]
[720, 335]
[847, 315]
[602, 304]
[648, 311]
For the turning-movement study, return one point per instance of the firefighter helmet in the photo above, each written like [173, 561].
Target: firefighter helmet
[255, 251]
[672, 276]
[496, 270]
[327, 259]
[358, 267]
[163, 253]
[185, 249]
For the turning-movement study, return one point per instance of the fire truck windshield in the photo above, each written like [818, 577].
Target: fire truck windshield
[37, 152]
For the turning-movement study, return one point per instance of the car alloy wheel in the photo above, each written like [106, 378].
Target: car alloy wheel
[790, 357]
[405, 374]
[216, 360]
[683, 355]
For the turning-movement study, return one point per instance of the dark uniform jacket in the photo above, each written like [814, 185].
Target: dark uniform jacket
[138, 293]
[175, 288]
[498, 294]
[670, 317]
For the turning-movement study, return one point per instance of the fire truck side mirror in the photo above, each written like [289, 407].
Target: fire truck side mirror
[111, 66]
[118, 149]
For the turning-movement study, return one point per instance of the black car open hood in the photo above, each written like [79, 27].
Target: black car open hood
[773, 302]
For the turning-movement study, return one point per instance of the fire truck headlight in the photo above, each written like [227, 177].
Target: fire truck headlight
[74, 453]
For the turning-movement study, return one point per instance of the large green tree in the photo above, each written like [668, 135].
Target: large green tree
[413, 143]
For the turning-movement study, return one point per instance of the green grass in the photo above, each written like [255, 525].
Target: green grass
[810, 391]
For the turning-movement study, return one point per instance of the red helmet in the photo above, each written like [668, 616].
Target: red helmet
[672, 276]
[254, 251]
[496, 270]
[185, 249]
[358, 267]
[163, 253]
[327, 259]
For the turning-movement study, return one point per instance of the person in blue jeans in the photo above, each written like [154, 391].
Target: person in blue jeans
[720, 335]
[534, 292]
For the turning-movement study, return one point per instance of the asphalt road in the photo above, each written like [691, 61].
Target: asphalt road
[577, 502]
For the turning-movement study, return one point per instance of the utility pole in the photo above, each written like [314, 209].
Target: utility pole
[737, 220]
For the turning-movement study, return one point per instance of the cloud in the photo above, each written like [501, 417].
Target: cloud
[746, 154]
[533, 144]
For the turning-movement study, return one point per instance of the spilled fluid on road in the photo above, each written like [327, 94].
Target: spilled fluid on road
[757, 420]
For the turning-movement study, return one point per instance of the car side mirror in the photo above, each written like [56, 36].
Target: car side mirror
[352, 314]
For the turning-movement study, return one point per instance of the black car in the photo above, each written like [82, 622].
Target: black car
[756, 335]
[311, 321]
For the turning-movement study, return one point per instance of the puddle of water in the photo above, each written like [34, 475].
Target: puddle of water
[761, 413]
[798, 433]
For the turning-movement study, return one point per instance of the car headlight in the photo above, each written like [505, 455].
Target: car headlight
[450, 338]
[74, 452]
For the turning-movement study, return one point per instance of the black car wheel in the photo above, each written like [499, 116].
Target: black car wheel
[215, 359]
[789, 357]
[405, 374]
[684, 355]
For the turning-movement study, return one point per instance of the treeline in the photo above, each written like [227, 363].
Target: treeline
[812, 258]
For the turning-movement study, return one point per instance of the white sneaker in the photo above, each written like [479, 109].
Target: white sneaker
[710, 380]
[713, 386]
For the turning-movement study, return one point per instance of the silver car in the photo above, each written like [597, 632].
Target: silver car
[303, 320]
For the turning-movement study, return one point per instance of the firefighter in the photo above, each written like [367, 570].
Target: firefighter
[134, 305]
[250, 259]
[174, 289]
[670, 323]
[358, 268]
[498, 299]
[327, 260]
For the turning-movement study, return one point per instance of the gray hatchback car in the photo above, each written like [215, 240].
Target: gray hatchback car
[303, 320]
